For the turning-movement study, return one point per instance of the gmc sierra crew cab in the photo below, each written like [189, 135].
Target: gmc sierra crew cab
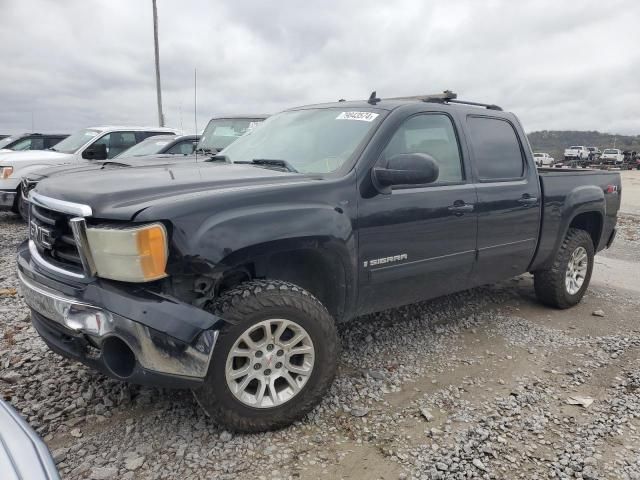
[229, 276]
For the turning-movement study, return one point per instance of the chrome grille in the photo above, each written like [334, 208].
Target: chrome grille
[26, 186]
[51, 233]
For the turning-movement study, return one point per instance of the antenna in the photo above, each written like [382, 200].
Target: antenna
[195, 103]
[373, 99]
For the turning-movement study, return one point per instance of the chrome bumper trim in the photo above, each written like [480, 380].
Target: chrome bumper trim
[154, 351]
[60, 205]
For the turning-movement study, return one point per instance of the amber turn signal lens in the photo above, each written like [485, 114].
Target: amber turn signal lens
[152, 248]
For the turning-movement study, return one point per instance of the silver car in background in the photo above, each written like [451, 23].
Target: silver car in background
[23, 454]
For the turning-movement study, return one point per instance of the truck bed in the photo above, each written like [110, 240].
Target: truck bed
[562, 189]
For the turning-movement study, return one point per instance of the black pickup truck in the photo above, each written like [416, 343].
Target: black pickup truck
[229, 276]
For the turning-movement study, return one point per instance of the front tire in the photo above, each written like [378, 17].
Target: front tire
[273, 361]
[564, 284]
[21, 206]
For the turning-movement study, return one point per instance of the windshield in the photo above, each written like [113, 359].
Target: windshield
[311, 141]
[220, 133]
[6, 141]
[72, 143]
[575, 148]
[612, 152]
[538, 155]
[150, 146]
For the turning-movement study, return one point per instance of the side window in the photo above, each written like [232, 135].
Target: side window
[434, 135]
[51, 141]
[117, 142]
[496, 149]
[37, 143]
[182, 148]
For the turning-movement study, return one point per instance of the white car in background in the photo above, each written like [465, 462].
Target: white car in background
[95, 143]
[543, 159]
[612, 156]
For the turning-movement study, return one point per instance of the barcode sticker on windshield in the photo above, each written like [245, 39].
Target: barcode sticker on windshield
[362, 116]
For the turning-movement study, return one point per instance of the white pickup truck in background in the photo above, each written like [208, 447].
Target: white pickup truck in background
[578, 153]
[612, 156]
[96, 143]
[543, 159]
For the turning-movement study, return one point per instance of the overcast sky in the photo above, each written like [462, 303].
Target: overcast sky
[556, 64]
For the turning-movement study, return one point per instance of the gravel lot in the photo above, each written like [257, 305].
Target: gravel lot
[472, 385]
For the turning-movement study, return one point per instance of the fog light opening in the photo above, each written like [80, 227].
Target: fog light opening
[118, 357]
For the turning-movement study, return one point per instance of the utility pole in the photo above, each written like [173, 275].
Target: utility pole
[155, 41]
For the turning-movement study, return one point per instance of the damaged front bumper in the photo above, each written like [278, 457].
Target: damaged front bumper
[126, 332]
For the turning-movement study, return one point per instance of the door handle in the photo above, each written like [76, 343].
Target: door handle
[527, 199]
[461, 208]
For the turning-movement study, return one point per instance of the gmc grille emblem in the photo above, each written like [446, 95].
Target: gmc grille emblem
[41, 235]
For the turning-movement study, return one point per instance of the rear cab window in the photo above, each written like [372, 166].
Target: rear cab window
[497, 152]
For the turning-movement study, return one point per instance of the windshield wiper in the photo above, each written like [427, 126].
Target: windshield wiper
[281, 165]
[218, 158]
[208, 151]
[117, 164]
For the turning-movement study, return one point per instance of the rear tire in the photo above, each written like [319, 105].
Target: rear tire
[262, 403]
[553, 286]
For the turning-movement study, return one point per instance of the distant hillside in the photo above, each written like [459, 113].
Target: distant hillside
[554, 142]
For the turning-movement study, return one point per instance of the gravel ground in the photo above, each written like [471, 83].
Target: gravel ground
[472, 385]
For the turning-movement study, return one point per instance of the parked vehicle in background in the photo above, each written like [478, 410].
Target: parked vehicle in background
[162, 145]
[228, 276]
[23, 454]
[221, 132]
[2, 136]
[577, 155]
[594, 154]
[612, 156]
[543, 159]
[95, 143]
[629, 159]
[30, 141]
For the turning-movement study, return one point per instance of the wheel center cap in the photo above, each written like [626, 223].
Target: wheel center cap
[268, 358]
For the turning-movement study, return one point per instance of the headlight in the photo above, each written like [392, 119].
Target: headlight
[136, 254]
[5, 172]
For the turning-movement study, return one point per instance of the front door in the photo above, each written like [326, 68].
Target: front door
[418, 242]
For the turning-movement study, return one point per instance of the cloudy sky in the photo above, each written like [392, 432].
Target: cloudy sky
[557, 64]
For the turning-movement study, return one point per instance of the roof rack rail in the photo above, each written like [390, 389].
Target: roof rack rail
[446, 97]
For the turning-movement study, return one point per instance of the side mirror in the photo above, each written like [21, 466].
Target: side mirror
[96, 151]
[406, 169]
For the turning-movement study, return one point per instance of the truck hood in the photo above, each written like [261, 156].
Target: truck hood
[120, 193]
[34, 156]
[92, 166]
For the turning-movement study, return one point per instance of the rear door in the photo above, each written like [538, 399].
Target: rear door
[418, 242]
[508, 198]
